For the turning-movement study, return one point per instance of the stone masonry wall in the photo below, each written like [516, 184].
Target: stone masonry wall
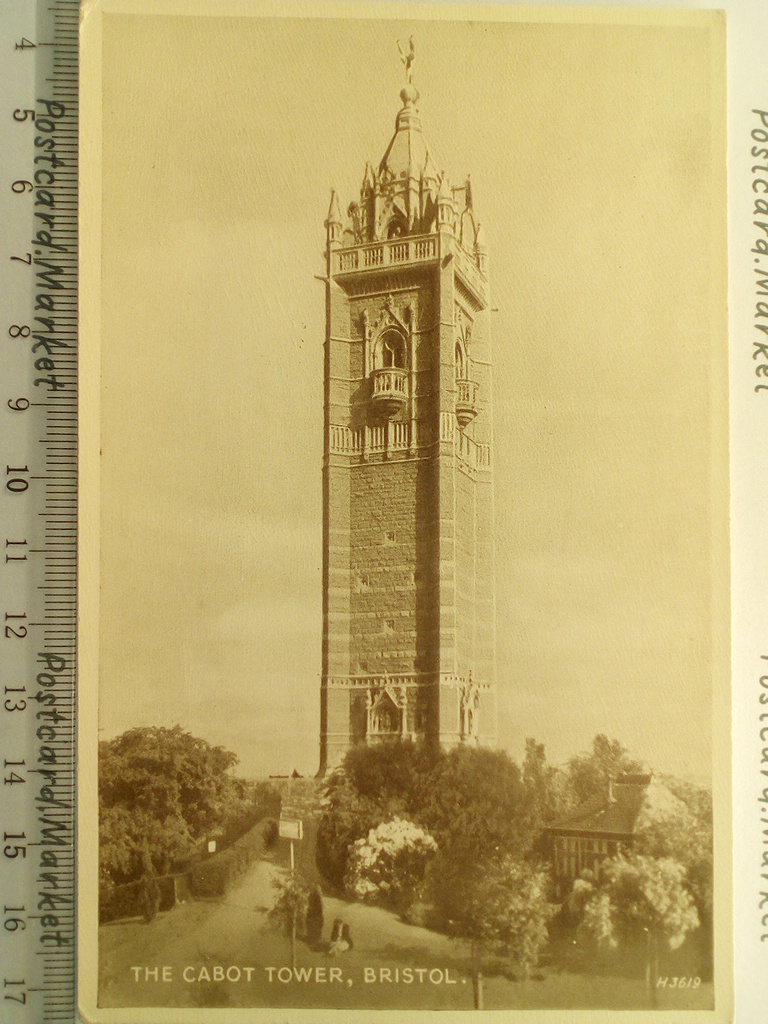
[383, 563]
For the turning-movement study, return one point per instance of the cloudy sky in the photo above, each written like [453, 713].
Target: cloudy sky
[596, 156]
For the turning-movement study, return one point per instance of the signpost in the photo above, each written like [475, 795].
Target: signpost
[291, 828]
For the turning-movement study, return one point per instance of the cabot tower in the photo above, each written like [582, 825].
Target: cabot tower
[408, 575]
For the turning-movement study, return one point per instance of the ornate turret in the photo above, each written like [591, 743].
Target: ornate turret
[334, 224]
[406, 195]
[445, 205]
[481, 250]
[399, 198]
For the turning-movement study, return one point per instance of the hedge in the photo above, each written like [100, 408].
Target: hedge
[214, 876]
[126, 900]
[206, 879]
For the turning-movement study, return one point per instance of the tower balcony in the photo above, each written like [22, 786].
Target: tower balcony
[390, 390]
[466, 401]
[376, 255]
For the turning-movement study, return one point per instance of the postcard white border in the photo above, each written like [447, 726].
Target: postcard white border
[747, 31]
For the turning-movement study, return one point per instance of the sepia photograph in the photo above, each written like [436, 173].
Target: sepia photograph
[405, 565]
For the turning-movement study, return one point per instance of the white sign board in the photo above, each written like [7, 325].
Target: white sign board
[291, 828]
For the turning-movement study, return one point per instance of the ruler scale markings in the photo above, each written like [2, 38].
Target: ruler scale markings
[45, 78]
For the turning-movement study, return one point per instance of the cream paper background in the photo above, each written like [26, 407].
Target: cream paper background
[213, 167]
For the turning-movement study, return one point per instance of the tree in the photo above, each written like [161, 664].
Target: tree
[291, 903]
[509, 911]
[314, 917]
[393, 775]
[633, 900]
[347, 817]
[373, 785]
[589, 774]
[389, 865]
[475, 805]
[290, 907]
[476, 810]
[471, 801]
[165, 789]
[546, 787]
[150, 890]
[676, 821]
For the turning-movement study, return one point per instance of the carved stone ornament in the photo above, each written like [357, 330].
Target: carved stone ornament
[391, 316]
[469, 706]
[381, 704]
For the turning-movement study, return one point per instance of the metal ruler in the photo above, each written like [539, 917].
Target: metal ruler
[38, 506]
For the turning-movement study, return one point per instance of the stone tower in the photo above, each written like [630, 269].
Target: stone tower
[408, 575]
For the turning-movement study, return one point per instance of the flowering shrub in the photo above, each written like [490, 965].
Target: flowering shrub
[388, 866]
[633, 895]
[668, 826]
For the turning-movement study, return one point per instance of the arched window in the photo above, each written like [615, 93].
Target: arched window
[397, 227]
[390, 351]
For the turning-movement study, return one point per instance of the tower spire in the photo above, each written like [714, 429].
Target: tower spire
[334, 224]
[399, 199]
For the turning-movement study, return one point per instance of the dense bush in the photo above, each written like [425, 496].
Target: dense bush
[682, 829]
[270, 833]
[259, 801]
[291, 903]
[470, 800]
[118, 901]
[637, 903]
[166, 792]
[314, 917]
[508, 912]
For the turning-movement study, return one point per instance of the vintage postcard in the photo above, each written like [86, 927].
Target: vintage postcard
[405, 583]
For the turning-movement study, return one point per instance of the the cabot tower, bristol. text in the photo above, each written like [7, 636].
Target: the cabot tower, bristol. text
[408, 591]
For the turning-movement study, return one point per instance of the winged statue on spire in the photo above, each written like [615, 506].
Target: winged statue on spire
[407, 58]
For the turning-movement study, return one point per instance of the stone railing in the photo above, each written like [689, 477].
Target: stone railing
[381, 254]
[483, 456]
[466, 401]
[390, 389]
[345, 440]
[375, 439]
[389, 380]
[399, 435]
[473, 455]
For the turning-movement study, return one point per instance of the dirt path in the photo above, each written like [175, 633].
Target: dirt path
[224, 953]
[195, 933]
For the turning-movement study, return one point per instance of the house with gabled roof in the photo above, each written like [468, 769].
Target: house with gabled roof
[603, 826]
